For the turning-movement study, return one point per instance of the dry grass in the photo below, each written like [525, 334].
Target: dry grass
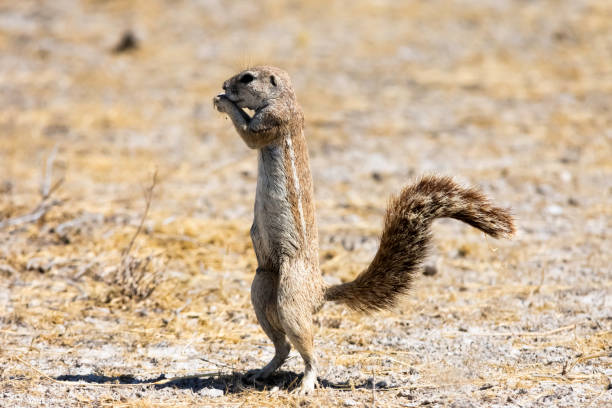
[512, 96]
[134, 278]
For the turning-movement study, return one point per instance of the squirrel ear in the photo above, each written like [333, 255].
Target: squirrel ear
[273, 80]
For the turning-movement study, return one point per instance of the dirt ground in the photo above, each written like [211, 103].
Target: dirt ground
[96, 96]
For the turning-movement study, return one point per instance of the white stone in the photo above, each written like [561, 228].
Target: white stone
[211, 392]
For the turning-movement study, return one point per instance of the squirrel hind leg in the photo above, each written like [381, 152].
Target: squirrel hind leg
[298, 327]
[304, 345]
[295, 314]
[281, 352]
[263, 297]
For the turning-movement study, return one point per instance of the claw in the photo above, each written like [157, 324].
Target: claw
[219, 101]
[254, 376]
[307, 387]
[257, 376]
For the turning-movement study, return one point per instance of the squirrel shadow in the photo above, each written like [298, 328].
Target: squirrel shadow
[234, 383]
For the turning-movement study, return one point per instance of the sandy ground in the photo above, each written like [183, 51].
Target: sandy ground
[512, 96]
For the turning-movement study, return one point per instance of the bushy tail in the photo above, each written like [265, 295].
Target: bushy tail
[406, 235]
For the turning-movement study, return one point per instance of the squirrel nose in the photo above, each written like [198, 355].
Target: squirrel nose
[225, 86]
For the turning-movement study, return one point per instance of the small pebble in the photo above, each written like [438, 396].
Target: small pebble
[349, 402]
[463, 251]
[566, 176]
[430, 270]
[127, 42]
[211, 392]
[405, 394]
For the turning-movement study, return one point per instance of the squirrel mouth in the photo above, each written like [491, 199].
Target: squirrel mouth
[233, 98]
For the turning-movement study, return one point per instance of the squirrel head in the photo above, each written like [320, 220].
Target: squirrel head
[258, 87]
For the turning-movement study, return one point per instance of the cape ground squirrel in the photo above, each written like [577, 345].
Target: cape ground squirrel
[288, 288]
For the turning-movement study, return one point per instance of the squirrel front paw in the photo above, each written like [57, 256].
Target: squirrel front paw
[222, 103]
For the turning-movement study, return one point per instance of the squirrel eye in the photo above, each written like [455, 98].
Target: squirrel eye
[246, 78]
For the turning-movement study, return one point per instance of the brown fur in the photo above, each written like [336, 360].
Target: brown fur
[404, 243]
[288, 288]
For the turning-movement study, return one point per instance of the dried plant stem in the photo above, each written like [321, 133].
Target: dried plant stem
[148, 194]
[16, 357]
[585, 358]
[522, 334]
[47, 189]
[133, 277]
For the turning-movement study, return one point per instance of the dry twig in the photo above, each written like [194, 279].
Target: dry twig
[521, 334]
[133, 277]
[585, 358]
[47, 189]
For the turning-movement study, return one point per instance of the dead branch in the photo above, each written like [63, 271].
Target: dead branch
[582, 359]
[148, 194]
[47, 189]
[133, 277]
[42, 209]
[7, 269]
[521, 334]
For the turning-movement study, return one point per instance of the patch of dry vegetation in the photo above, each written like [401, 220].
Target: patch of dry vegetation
[107, 299]
[135, 278]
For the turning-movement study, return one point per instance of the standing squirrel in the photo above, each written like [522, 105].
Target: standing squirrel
[288, 288]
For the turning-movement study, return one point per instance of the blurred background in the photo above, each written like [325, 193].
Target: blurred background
[96, 96]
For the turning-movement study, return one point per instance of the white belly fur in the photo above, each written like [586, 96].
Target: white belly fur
[274, 234]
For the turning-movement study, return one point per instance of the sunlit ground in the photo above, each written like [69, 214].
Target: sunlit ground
[512, 96]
